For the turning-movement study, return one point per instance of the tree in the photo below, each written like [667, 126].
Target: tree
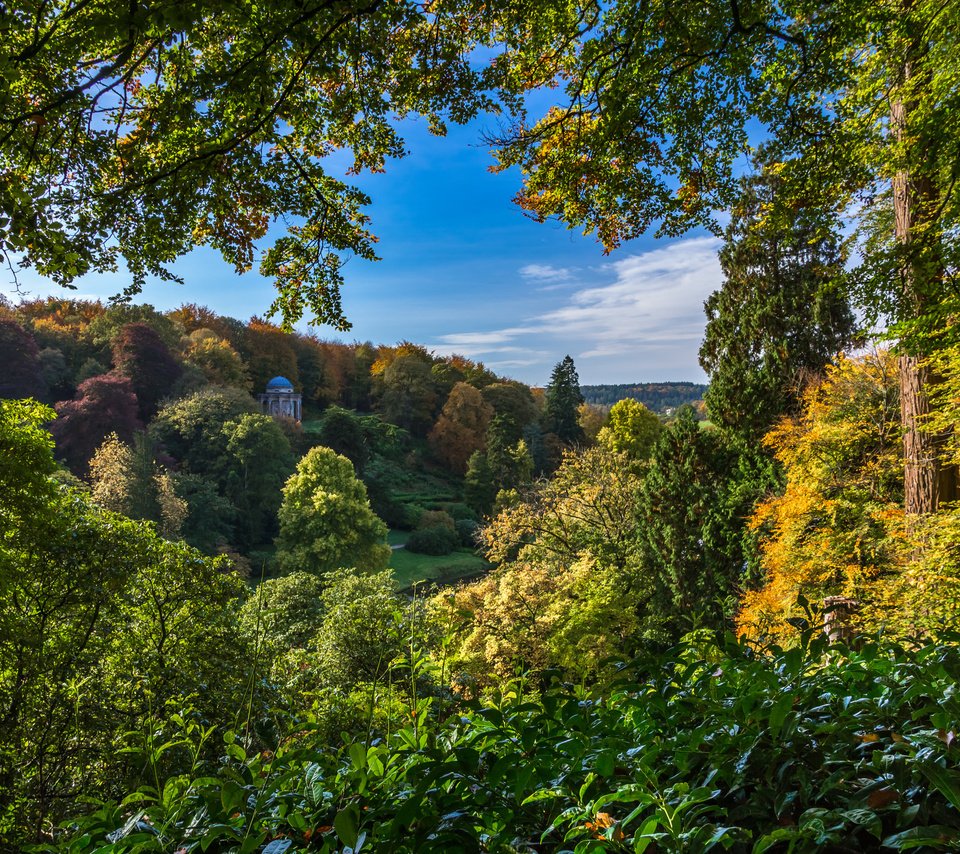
[22, 374]
[325, 519]
[563, 403]
[256, 462]
[514, 401]
[461, 428]
[837, 528]
[127, 480]
[102, 405]
[140, 355]
[690, 533]
[284, 613]
[102, 623]
[781, 315]
[191, 429]
[342, 431]
[568, 590]
[210, 518]
[631, 429]
[409, 393]
[131, 132]
[220, 363]
[857, 108]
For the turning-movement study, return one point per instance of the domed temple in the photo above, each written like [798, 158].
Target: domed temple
[280, 400]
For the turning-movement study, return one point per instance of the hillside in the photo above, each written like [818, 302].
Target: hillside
[657, 397]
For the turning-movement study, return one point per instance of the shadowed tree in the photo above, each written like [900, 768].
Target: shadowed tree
[140, 355]
[21, 374]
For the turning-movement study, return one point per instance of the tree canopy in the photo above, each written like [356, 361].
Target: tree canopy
[325, 519]
[168, 126]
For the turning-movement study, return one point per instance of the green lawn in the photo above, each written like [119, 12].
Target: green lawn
[397, 538]
[409, 568]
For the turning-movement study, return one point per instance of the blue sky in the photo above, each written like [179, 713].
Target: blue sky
[463, 270]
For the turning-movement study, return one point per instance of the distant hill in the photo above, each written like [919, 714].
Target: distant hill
[655, 396]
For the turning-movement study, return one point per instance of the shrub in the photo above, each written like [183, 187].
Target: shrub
[435, 519]
[438, 540]
[709, 749]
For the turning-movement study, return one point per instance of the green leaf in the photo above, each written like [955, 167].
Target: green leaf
[346, 823]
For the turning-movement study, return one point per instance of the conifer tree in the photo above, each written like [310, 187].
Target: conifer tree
[563, 402]
[780, 316]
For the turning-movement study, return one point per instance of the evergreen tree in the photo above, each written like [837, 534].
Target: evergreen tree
[689, 536]
[563, 403]
[780, 316]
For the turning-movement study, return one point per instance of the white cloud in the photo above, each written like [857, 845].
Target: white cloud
[650, 315]
[546, 273]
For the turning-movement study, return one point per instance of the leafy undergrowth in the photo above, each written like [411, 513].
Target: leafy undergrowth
[805, 750]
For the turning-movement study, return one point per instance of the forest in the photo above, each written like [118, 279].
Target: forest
[443, 610]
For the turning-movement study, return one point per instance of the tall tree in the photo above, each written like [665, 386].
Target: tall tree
[140, 355]
[859, 107]
[461, 428]
[325, 519]
[781, 314]
[563, 402]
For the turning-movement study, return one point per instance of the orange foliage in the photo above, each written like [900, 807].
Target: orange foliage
[838, 528]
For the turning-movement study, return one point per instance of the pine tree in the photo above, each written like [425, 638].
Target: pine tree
[563, 403]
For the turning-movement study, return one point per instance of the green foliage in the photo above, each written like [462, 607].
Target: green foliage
[434, 540]
[689, 532]
[632, 429]
[101, 623]
[255, 464]
[781, 315]
[192, 428]
[848, 751]
[325, 519]
[284, 613]
[569, 540]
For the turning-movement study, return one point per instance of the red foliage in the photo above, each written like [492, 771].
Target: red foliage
[103, 405]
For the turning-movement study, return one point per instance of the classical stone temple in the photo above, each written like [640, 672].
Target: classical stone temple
[280, 400]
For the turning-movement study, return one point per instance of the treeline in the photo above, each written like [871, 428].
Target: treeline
[156, 413]
[657, 397]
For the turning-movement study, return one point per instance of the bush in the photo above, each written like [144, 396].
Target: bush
[438, 540]
[435, 519]
[459, 511]
[467, 530]
[711, 749]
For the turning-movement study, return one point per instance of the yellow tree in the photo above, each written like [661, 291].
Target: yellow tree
[838, 527]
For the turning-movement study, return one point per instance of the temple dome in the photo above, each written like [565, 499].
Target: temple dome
[279, 384]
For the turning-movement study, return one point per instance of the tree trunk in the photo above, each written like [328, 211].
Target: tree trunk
[914, 202]
[921, 475]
